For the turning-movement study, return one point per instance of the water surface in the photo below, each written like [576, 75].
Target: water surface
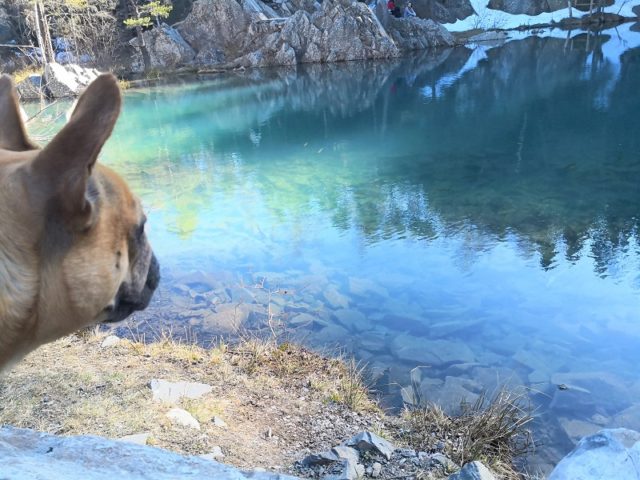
[472, 211]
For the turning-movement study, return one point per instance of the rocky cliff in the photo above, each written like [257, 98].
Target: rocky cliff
[249, 33]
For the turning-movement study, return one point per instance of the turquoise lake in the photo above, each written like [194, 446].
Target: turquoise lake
[473, 212]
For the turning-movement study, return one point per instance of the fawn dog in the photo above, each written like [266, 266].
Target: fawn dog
[73, 249]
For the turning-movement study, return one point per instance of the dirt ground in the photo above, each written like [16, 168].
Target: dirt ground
[279, 402]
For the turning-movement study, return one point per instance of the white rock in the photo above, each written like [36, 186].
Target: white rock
[29, 455]
[376, 470]
[137, 438]
[181, 417]
[110, 341]
[171, 392]
[607, 455]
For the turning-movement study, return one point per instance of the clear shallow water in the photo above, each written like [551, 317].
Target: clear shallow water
[474, 212]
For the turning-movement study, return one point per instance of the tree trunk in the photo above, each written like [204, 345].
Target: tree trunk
[569, 7]
[131, 10]
[43, 35]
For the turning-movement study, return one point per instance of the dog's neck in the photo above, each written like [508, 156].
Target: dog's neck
[18, 267]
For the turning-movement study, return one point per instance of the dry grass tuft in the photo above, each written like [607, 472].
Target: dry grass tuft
[492, 430]
[23, 74]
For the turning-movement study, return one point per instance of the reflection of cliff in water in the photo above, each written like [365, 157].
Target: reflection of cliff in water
[534, 138]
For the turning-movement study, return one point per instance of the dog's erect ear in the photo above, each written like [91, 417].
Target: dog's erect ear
[65, 164]
[13, 135]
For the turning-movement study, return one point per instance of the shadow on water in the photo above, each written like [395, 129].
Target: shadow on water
[473, 211]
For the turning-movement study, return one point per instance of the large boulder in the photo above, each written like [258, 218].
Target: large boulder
[443, 11]
[418, 34]
[27, 454]
[607, 455]
[167, 49]
[67, 80]
[215, 26]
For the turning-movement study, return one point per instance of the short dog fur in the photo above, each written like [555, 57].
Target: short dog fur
[73, 250]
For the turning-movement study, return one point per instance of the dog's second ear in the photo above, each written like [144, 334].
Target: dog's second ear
[13, 135]
[65, 164]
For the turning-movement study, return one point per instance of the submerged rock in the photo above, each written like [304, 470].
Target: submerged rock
[607, 455]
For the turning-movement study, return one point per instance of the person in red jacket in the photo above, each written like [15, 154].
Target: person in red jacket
[393, 9]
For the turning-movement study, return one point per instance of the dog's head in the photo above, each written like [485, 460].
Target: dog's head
[73, 248]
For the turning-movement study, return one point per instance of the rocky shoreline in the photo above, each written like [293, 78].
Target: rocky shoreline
[255, 410]
[237, 34]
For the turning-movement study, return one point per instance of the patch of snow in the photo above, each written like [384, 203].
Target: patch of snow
[487, 18]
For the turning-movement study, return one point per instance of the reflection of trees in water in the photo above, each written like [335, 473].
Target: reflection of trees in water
[513, 147]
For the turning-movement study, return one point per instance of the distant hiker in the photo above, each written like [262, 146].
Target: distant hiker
[393, 9]
[409, 11]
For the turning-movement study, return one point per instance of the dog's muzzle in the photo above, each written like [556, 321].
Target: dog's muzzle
[128, 301]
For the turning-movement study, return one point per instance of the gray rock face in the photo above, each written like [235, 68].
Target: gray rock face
[473, 471]
[215, 26]
[27, 454]
[609, 454]
[419, 34]
[167, 49]
[67, 80]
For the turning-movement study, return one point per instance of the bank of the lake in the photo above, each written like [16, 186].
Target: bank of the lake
[251, 404]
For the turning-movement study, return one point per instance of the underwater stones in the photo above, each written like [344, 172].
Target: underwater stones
[335, 298]
[227, 318]
[301, 320]
[411, 349]
[577, 429]
[453, 392]
[353, 320]
[364, 287]
[241, 295]
[609, 454]
[628, 418]
[588, 391]
[493, 379]
[430, 352]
